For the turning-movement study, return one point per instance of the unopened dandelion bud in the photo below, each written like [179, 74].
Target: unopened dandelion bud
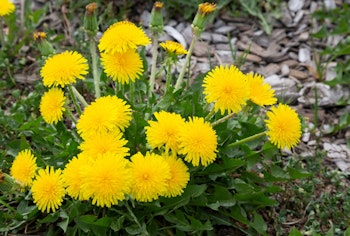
[6, 182]
[204, 10]
[44, 46]
[90, 19]
[156, 21]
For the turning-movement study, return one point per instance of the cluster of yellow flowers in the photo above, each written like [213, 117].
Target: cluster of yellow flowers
[103, 171]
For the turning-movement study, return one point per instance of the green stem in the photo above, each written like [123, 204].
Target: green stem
[132, 93]
[70, 114]
[154, 64]
[168, 79]
[248, 139]
[2, 38]
[135, 219]
[211, 113]
[8, 206]
[184, 67]
[95, 72]
[223, 119]
[79, 96]
[74, 99]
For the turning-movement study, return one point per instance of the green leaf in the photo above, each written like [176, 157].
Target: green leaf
[117, 224]
[347, 232]
[298, 173]
[259, 224]
[222, 197]
[294, 232]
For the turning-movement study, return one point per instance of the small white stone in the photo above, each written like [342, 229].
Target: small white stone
[295, 5]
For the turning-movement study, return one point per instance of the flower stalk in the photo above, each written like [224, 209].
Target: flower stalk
[246, 140]
[223, 119]
[91, 27]
[184, 67]
[156, 26]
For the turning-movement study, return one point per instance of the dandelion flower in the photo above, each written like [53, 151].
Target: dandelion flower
[48, 189]
[64, 68]
[122, 36]
[108, 180]
[198, 142]
[284, 126]
[260, 93]
[150, 174]
[52, 105]
[206, 8]
[122, 66]
[105, 114]
[72, 175]
[173, 47]
[23, 168]
[227, 88]
[105, 142]
[179, 176]
[165, 131]
[6, 7]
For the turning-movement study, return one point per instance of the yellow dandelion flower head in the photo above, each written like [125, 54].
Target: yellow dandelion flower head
[48, 189]
[105, 142]
[206, 8]
[284, 126]
[64, 68]
[108, 180]
[6, 7]
[52, 105]
[105, 114]
[122, 36]
[150, 174]
[24, 167]
[122, 66]
[198, 142]
[72, 175]
[260, 93]
[158, 5]
[173, 47]
[179, 176]
[227, 88]
[39, 35]
[165, 131]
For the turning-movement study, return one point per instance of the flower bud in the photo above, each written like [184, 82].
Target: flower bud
[90, 19]
[44, 46]
[6, 182]
[204, 10]
[156, 21]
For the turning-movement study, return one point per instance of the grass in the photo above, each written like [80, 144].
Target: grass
[291, 195]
